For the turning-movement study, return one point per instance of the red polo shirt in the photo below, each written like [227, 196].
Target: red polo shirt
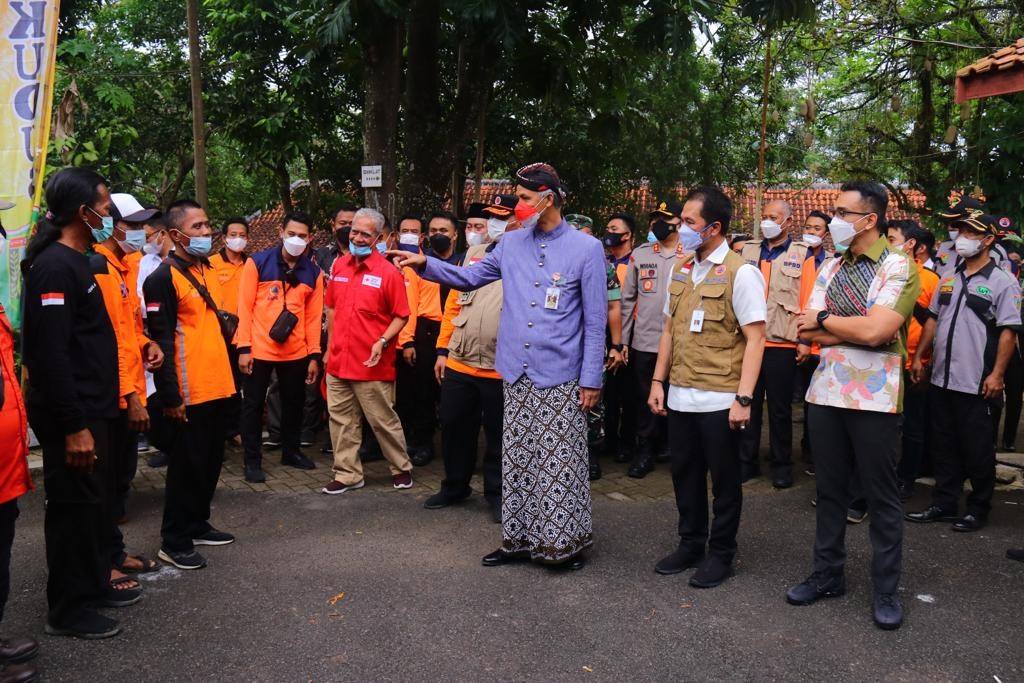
[365, 298]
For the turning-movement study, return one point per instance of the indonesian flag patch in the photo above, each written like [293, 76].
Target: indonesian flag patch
[52, 299]
[153, 307]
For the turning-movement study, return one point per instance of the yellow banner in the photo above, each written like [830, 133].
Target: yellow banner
[28, 42]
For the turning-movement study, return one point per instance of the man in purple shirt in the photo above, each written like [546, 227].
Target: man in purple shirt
[551, 357]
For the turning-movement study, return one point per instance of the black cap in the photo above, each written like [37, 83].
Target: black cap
[980, 223]
[961, 207]
[502, 205]
[668, 209]
[476, 210]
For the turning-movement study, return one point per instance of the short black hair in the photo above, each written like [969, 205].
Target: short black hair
[739, 239]
[820, 214]
[235, 220]
[715, 206]
[912, 230]
[297, 217]
[625, 218]
[446, 215]
[410, 216]
[343, 207]
[175, 213]
[873, 194]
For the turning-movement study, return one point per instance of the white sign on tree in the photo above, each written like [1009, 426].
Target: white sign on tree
[372, 176]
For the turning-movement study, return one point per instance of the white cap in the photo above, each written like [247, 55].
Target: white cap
[127, 208]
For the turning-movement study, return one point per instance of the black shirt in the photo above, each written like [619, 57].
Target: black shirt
[69, 345]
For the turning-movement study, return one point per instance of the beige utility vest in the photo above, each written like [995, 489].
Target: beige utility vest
[783, 278]
[712, 358]
[474, 340]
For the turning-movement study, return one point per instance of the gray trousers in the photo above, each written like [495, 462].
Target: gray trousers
[843, 441]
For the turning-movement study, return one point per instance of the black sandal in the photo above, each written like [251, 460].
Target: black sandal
[148, 565]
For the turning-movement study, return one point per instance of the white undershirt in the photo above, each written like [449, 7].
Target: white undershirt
[748, 302]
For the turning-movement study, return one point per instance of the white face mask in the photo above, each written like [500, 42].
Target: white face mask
[953, 234]
[967, 247]
[152, 247]
[409, 238]
[237, 244]
[770, 229]
[496, 228]
[475, 239]
[813, 241]
[294, 245]
[842, 231]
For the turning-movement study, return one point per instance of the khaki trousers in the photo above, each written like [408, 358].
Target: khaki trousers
[347, 402]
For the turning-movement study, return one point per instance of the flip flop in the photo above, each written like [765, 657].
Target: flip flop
[148, 565]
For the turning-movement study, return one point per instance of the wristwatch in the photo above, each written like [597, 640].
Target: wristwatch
[616, 347]
[744, 401]
[822, 315]
[384, 341]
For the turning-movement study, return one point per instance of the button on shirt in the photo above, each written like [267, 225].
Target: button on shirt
[365, 298]
[971, 310]
[551, 346]
[749, 305]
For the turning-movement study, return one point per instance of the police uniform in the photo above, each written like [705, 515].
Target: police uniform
[971, 311]
[643, 298]
[621, 402]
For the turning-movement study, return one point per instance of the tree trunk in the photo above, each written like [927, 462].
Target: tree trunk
[481, 134]
[284, 185]
[313, 200]
[382, 76]
[195, 69]
[763, 148]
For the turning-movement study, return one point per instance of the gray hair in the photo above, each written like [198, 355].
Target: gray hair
[787, 208]
[376, 216]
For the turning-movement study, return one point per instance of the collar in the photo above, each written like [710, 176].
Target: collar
[224, 255]
[622, 261]
[559, 230]
[717, 256]
[985, 271]
[678, 250]
[874, 252]
[370, 262]
[112, 258]
[770, 252]
[185, 263]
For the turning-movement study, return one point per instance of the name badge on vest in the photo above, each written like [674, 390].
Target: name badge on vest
[371, 281]
[697, 321]
[551, 298]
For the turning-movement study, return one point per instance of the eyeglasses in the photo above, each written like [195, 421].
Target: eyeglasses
[843, 213]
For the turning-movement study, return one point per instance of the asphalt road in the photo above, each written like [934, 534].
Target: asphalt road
[417, 605]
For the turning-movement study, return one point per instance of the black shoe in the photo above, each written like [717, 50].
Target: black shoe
[495, 506]
[642, 464]
[327, 450]
[570, 565]
[932, 514]
[855, 516]
[713, 571]
[595, 472]
[1009, 448]
[18, 650]
[214, 537]
[89, 625]
[906, 490]
[500, 557]
[782, 482]
[14, 673]
[255, 475]
[421, 456]
[1015, 554]
[272, 443]
[678, 561]
[809, 469]
[818, 585]
[298, 461]
[118, 597]
[442, 500]
[970, 522]
[305, 440]
[888, 611]
[184, 560]
[157, 460]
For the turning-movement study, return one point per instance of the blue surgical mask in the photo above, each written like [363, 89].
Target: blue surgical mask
[199, 246]
[689, 238]
[381, 248]
[106, 229]
[133, 241]
[362, 251]
[651, 239]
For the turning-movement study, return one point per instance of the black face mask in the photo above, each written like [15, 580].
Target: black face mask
[662, 229]
[614, 239]
[341, 235]
[440, 242]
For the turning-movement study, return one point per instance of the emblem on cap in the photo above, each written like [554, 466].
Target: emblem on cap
[497, 200]
[1004, 222]
[662, 206]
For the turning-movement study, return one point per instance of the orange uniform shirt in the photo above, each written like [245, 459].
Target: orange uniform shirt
[230, 277]
[451, 309]
[265, 289]
[424, 302]
[14, 476]
[113, 275]
[807, 274]
[196, 368]
[929, 283]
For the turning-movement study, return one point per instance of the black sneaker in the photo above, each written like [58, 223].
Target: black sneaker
[677, 561]
[255, 475]
[214, 537]
[641, 466]
[442, 500]
[818, 585]
[421, 456]
[855, 516]
[888, 612]
[272, 443]
[118, 597]
[89, 625]
[157, 460]
[184, 560]
[713, 571]
[298, 461]
[1016, 554]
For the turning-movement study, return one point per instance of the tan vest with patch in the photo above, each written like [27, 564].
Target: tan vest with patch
[474, 340]
[783, 289]
[712, 358]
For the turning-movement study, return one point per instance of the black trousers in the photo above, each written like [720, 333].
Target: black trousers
[963, 447]
[1014, 397]
[621, 403]
[700, 443]
[313, 409]
[193, 467]
[233, 416]
[291, 381]
[778, 374]
[847, 441]
[8, 516]
[124, 453]
[78, 518]
[161, 433]
[915, 429]
[467, 403]
[417, 391]
[804, 372]
[651, 429]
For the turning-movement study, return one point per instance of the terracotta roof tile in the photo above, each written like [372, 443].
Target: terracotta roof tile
[1000, 60]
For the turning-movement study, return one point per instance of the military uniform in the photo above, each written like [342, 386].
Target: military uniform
[621, 401]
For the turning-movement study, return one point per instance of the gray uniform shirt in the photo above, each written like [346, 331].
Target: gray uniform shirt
[971, 312]
[946, 258]
[643, 295]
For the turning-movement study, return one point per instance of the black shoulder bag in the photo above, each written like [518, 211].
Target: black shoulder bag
[228, 321]
[286, 320]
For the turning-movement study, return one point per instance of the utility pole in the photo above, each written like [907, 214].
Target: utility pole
[198, 128]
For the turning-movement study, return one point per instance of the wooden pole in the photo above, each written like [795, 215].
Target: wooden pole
[198, 127]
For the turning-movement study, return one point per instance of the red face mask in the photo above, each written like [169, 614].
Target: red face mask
[524, 211]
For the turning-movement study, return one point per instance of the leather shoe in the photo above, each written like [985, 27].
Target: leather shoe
[297, 460]
[1015, 554]
[888, 611]
[969, 522]
[570, 565]
[782, 482]
[713, 571]
[933, 514]
[18, 650]
[421, 456]
[16, 673]
[442, 500]
[818, 585]
[255, 475]
[681, 559]
[500, 557]
[641, 466]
